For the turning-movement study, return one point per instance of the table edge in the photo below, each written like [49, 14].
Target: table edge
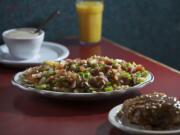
[142, 56]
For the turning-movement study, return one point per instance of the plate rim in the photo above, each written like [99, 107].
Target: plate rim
[15, 82]
[112, 118]
[63, 48]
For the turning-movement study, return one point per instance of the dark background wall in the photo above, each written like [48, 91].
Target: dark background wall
[151, 27]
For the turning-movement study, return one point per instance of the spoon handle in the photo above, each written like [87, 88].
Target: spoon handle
[48, 19]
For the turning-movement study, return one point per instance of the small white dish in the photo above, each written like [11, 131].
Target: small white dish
[132, 129]
[16, 81]
[23, 43]
[48, 51]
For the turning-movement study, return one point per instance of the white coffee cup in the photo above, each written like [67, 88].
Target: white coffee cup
[23, 43]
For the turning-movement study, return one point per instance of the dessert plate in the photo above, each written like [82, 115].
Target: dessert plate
[49, 51]
[134, 129]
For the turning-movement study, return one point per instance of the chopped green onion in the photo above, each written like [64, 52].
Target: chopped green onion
[129, 64]
[138, 74]
[125, 75]
[108, 88]
[108, 83]
[41, 86]
[101, 65]
[114, 63]
[85, 75]
[140, 80]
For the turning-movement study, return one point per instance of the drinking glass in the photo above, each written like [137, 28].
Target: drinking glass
[90, 15]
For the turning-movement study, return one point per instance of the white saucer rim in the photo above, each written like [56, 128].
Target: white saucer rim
[64, 49]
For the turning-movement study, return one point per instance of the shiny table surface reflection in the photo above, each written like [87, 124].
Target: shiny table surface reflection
[26, 114]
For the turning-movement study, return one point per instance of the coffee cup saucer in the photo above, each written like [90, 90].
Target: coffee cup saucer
[49, 51]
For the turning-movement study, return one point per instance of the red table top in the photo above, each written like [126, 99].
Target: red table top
[25, 114]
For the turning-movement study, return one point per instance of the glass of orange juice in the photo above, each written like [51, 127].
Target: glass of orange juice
[90, 14]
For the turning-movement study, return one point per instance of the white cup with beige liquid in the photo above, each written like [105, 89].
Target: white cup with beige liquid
[23, 43]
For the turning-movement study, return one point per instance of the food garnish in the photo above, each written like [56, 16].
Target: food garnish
[95, 74]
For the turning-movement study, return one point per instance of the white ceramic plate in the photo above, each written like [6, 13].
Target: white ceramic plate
[49, 51]
[78, 96]
[115, 121]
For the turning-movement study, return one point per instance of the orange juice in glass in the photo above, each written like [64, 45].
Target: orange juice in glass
[90, 14]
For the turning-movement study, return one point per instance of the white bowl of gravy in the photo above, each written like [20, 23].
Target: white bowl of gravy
[23, 43]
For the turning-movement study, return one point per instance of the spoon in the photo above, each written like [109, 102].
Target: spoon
[48, 19]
